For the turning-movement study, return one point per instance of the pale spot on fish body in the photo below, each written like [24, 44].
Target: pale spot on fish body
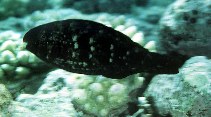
[91, 41]
[112, 54]
[85, 64]
[75, 45]
[100, 31]
[73, 54]
[75, 37]
[90, 56]
[127, 53]
[110, 60]
[111, 47]
[92, 48]
[64, 42]
[58, 61]
[75, 63]
[80, 63]
[70, 62]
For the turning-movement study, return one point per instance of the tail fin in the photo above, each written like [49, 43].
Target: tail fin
[163, 63]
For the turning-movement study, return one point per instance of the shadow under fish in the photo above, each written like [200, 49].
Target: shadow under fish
[91, 48]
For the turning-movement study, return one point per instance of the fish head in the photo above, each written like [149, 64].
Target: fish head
[39, 39]
[35, 40]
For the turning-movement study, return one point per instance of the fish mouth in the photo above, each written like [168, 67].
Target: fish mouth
[25, 39]
[24, 45]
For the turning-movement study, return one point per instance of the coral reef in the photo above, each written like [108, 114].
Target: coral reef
[43, 105]
[148, 15]
[185, 28]
[141, 2]
[145, 108]
[186, 93]
[11, 23]
[120, 22]
[38, 105]
[21, 63]
[12, 8]
[163, 3]
[146, 19]
[18, 8]
[110, 6]
[15, 61]
[126, 24]
[93, 95]
[19, 69]
[117, 92]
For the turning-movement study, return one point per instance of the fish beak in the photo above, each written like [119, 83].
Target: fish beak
[24, 40]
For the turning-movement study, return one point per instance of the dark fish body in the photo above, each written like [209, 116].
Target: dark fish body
[91, 48]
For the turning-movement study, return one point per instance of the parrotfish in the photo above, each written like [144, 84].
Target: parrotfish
[91, 48]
